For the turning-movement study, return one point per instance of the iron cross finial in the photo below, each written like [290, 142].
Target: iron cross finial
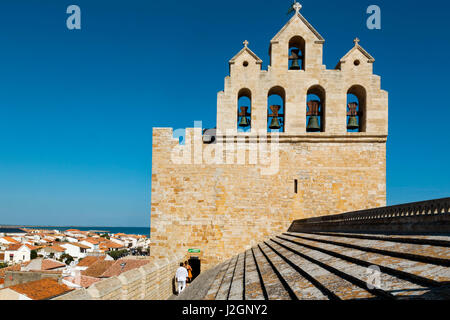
[297, 6]
[245, 43]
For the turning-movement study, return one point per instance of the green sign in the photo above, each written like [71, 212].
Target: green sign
[193, 250]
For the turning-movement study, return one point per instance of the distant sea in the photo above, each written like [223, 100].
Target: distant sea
[127, 230]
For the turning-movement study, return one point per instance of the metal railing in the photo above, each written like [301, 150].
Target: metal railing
[425, 217]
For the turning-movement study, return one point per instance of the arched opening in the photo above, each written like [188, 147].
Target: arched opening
[356, 109]
[315, 109]
[297, 54]
[276, 109]
[244, 110]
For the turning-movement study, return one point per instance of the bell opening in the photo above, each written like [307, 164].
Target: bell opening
[244, 104]
[296, 53]
[276, 110]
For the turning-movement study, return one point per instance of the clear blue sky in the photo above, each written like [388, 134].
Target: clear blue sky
[77, 107]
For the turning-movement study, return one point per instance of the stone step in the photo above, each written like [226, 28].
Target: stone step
[222, 293]
[237, 291]
[328, 277]
[417, 272]
[270, 281]
[214, 289]
[422, 240]
[301, 287]
[253, 289]
[422, 253]
[388, 283]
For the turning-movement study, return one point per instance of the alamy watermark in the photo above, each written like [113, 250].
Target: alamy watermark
[374, 20]
[73, 22]
[259, 148]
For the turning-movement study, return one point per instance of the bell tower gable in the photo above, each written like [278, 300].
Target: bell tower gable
[244, 62]
[297, 34]
[356, 60]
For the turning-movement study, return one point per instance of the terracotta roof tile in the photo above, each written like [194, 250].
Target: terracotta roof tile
[90, 260]
[41, 289]
[110, 245]
[48, 264]
[58, 248]
[123, 265]
[15, 267]
[92, 240]
[31, 247]
[9, 239]
[2, 256]
[14, 247]
[97, 269]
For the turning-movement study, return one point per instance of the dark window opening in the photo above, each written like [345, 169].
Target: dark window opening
[295, 186]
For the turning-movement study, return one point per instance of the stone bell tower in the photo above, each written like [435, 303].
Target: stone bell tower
[321, 132]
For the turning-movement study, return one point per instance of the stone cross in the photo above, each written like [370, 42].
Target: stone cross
[297, 6]
[245, 43]
[356, 41]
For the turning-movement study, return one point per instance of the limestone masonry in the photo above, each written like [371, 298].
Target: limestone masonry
[227, 196]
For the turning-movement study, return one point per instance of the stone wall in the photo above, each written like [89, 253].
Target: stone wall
[224, 209]
[153, 281]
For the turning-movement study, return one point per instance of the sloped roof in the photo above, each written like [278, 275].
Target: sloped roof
[320, 39]
[123, 265]
[245, 49]
[82, 280]
[90, 260]
[370, 59]
[15, 247]
[111, 245]
[41, 289]
[29, 246]
[92, 240]
[57, 248]
[9, 239]
[98, 268]
[49, 264]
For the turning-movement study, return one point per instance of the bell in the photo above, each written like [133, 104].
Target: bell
[275, 124]
[313, 124]
[244, 122]
[294, 58]
[352, 123]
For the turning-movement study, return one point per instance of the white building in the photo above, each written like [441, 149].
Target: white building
[76, 250]
[17, 253]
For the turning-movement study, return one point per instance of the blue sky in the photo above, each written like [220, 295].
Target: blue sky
[77, 107]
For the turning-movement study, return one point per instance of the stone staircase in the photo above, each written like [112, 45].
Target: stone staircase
[332, 266]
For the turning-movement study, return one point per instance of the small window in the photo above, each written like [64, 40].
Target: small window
[356, 62]
[245, 64]
[295, 186]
